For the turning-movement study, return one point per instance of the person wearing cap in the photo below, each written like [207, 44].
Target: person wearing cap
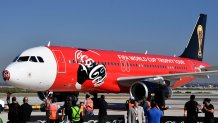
[154, 114]
[14, 111]
[102, 114]
[136, 114]
[208, 109]
[25, 111]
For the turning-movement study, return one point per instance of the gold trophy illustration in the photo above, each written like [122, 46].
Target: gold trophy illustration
[200, 39]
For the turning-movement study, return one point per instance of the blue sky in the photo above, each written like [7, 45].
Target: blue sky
[160, 27]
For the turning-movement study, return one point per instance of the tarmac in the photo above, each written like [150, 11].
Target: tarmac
[117, 104]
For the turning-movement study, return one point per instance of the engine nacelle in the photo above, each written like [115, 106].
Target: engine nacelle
[139, 90]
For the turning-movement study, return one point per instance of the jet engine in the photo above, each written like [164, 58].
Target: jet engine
[139, 90]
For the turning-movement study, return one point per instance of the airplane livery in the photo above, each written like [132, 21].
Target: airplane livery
[67, 69]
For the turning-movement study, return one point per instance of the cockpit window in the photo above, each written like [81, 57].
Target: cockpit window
[23, 59]
[40, 59]
[33, 59]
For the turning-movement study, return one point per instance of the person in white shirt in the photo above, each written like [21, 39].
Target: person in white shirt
[136, 114]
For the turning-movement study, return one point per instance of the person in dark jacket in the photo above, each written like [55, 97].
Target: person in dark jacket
[191, 110]
[14, 110]
[102, 114]
[25, 111]
[66, 109]
[208, 109]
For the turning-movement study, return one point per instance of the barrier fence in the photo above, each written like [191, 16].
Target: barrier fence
[121, 119]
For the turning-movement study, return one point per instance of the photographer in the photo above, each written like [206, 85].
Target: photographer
[208, 109]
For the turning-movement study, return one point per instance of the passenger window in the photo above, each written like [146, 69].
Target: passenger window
[41, 59]
[23, 59]
[33, 59]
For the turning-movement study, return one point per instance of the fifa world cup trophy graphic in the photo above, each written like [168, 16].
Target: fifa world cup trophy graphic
[200, 39]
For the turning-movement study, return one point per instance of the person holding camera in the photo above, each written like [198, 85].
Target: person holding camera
[208, 109]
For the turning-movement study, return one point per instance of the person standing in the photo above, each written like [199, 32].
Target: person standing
[25, 111]
[191, 110]
[47, 101]
[66, 109]
[53, 111]
[129, 104]
[102, 114]
[76, 115]
[136, 114]
[154, 114]
[8, 97]
[82, 108]
[146, 104]
[88, 106]
[14, 110]
[208, 109]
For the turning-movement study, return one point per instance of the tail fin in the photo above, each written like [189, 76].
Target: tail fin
[195, 47]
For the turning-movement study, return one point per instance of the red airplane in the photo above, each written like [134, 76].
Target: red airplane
[65, 70]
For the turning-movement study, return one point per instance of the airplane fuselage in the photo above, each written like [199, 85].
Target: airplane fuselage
[116, 64]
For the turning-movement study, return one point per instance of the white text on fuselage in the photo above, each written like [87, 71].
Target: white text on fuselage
[150, 59]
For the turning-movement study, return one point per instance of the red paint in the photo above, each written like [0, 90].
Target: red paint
[130, 64]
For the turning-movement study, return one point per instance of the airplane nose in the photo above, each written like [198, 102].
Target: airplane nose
[6, 75]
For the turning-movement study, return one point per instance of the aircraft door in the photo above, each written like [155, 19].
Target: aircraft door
[61, 63]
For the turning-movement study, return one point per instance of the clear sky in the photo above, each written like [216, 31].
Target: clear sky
[160, 27]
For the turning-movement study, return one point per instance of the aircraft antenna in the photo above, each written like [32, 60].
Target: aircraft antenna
[49, 42]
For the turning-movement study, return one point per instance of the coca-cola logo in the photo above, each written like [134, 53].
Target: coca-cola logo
[89, 69]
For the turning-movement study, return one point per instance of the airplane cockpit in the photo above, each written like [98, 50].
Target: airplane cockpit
[29, 58]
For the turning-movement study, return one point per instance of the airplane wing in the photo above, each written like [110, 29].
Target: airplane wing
[172, 78]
